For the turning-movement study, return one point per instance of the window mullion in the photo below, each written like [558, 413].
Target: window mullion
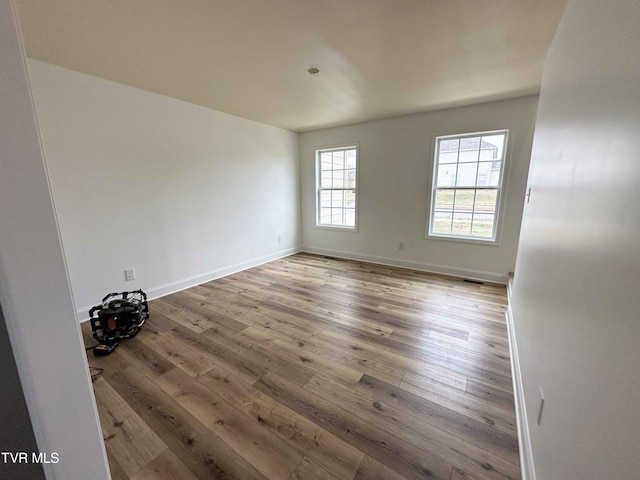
[344, 206]
[473, 211]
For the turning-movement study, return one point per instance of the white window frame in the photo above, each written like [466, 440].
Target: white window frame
[501, 190]
[318, 172]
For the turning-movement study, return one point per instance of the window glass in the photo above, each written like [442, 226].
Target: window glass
[467, 185]
[336, 180]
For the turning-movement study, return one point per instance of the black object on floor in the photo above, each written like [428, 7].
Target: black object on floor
[104, 349]
[119, 316]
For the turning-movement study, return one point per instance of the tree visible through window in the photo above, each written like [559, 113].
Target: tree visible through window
[336, 184]
[467, 185]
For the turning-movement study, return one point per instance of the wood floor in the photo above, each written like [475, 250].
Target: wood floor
[314, 368]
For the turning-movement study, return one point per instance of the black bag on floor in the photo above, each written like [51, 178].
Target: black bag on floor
[119, 316]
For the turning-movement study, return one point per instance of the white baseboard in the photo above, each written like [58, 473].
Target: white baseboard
[480, 275]
[524, 441]
[173, 287]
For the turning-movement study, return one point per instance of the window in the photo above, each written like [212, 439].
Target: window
[336, 174]
[467, 185]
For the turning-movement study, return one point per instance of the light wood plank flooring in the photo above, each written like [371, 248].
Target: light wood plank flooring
[314, 368]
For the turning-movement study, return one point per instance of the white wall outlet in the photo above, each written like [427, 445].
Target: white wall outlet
[540, 406]
[130, 274]
[279, 239]
[400, 245]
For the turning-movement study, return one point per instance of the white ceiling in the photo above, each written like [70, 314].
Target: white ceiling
[377, 58]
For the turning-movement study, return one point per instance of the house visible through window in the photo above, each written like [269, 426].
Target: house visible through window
[467, 185]
[336, 183]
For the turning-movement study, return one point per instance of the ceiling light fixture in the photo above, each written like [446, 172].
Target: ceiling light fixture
[313, 71]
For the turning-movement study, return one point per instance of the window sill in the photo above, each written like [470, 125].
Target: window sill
[472, 241]
[337, 229]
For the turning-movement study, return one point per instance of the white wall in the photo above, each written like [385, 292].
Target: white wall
[181, 193]
[34, 288]
[395, 158]
[576, 302]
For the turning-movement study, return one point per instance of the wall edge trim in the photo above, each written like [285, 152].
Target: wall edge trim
[524, 440]
[179, 285]
[470, 274]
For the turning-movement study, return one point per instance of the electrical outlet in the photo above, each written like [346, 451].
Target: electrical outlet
[400, 245]
[279, 239]
[540, 406]
[130, 274]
